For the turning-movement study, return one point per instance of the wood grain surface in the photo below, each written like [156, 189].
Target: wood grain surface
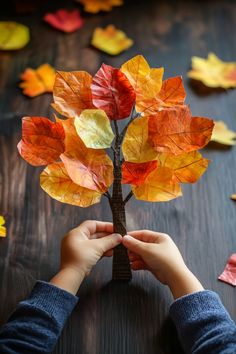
[119, 318]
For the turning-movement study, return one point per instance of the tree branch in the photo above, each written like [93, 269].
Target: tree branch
[127, 198]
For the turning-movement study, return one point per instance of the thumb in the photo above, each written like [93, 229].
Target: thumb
[133, 244]
[108, 242]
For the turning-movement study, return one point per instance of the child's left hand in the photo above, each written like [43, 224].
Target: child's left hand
[81, 249]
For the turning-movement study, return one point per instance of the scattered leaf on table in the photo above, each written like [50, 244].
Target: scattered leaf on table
[42, 141]
[221, 134]
[136, 173]
[65, 20]
[55, 181]
[159, 186]
[3, 230]
[112, 92]
[110, 40]
[13, 35]
[136, 147]
[175, 131]
[229, 273]
[94, 6]
[94, 128]
[187, 167]
[72, 93]
[38, 81]
[213, 72]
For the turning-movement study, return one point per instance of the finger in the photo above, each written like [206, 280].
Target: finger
[134, 257]
[138, 265]
[99, 235]
[108, 242]
[147, 236]
[91, 227]
[133, 244]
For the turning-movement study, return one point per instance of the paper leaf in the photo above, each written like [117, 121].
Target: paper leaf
[55, 181]
[37, 81]
[65, 20]
[112, 92]
[229, 273]
[213, 72]
[13, 35]
[145, 81]
[233, 197]
[158, 187]
[110, 40]
[94, 6]
[89, 168]
[187, 167]
[136, 147]
[72, 93]
[42, 141]
[221, 134]
[175, 131]
[3, 230]
[172, 93]
[136, 173]
[94, 128]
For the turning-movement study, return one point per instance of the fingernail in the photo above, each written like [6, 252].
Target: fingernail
[117, 236]
[128, 237]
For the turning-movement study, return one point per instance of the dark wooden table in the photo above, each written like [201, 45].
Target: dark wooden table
[119, 318]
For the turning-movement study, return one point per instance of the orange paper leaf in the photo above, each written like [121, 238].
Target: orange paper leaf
[136, 173]
[229, 273]
[94, 6]
[38, 81]
[65, 20]
[42, 141]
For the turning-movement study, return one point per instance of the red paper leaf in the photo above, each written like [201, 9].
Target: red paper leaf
[42, 140]
[64, 20]
[136, 173]
[229, 273]
[112, 92]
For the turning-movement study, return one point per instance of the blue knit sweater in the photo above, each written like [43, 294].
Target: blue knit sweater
[203, 324]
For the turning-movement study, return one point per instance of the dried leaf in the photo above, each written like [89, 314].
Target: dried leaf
[175, 131]
[112, 92]
[187, 167]
[172, 93]
[38, 81]
[65, 20]
[136, 173]
[72, 93]
[3, 230]
[221, 134]
[94, 128]
[229, 273]
[145, 81]
[94, 6]
[136, 147]
[55, 181]
[13, 35]
[110, 40]
[213, 72]
[160, 186]
[42, 141]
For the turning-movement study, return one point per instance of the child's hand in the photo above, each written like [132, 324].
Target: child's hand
[159, 254]
[81, 249]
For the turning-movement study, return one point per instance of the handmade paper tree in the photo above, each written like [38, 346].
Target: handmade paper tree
[154, 152]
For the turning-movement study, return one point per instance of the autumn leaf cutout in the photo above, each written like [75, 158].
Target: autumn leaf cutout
[65, 20]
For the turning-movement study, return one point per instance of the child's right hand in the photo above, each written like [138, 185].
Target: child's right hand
[159, 254]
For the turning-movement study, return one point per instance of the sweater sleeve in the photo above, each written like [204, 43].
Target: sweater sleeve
[203, 324]
[36, 323]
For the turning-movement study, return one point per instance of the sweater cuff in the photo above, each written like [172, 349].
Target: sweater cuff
[57, 302]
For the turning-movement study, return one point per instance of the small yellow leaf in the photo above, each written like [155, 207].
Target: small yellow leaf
[111, 40]
[3, 230]
[213, 72]
[94, 128]
[221, 134]
[13, 35]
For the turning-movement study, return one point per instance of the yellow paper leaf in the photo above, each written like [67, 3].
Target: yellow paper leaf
[111, 40]
[94, 6]
[56, 182]
[160, 186]
[13, 35]
[94, 128]
[187, 167]
[136, 147]
[213, 72]
[3, 230]
[221, 134]
[38, 81]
